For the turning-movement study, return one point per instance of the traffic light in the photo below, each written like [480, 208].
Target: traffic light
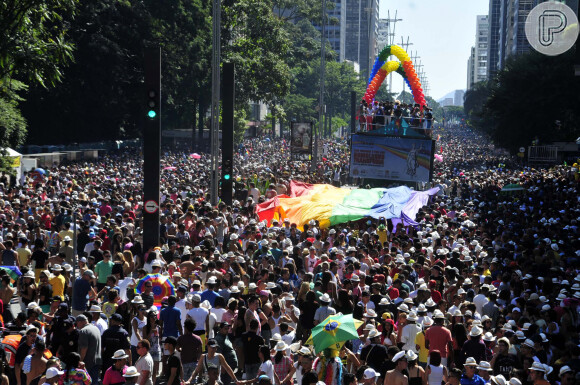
[227, 169]
[152, 104]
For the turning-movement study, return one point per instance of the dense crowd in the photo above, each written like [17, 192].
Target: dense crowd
[484, 290]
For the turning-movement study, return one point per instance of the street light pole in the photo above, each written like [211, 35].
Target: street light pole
[215, 100]
[322, 108]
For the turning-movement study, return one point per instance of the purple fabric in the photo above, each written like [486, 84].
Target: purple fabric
[417, 200]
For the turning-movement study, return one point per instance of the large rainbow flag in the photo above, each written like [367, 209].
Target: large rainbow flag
[331, 205]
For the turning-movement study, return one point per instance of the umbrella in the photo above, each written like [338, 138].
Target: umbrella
[171, 168]
[12, 271]
[162, 287]
[438, 157]
[195, 155]
[512, 187]
[40, 171]
[333, 331]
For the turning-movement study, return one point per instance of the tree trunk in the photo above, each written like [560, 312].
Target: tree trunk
[273, 125]
[200, 124]
[330, 124]
[194, 126]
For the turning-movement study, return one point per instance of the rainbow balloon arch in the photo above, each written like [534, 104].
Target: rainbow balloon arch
[405, 68]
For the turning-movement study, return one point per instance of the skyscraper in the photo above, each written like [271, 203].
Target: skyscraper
[362, 28]
[336, 32]
[477, 63]
[493, 38]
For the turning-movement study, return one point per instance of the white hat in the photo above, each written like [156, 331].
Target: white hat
[234, 289]
[137, 300]
[56, 267]
[538, 367]
[32, 305]
[281, 346]
[276, 337]
[325, 298]
[529, 343]
[206, 305]
[370, 313]
[370, 373]
[488, 337]
[252, 286]
[475, 331]
[96, 309]
[438, 314]
[369, 327]
[498, 380]
[398, 356]
[270, 285]
[412, 317]
[29, 274]
[484, 365]
[374, 333]
[526, 326]
[53, 372]
[515, 381]
[411, 355]
[565, 369]
[211, 281]
[131, 371]
[404, 308]
[427, 321]
[304, 351]
[470, 361]
[119, 355]
[384, 301]
[196, 298]
[355, 278]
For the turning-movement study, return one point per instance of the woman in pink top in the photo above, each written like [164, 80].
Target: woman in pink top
[114, 375]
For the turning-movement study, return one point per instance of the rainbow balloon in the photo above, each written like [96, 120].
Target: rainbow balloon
[162, 287]
[405, 68]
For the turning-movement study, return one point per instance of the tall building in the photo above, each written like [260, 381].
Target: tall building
[471, 69]
[362, 28]
[477, 63]
[383, 37]
[336, 32]
[493, 38]
[458, 97]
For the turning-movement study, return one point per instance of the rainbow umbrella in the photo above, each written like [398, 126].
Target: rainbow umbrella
[162, 287]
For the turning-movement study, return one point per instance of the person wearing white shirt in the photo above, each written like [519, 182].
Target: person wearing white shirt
[481, 299]
[410, 332]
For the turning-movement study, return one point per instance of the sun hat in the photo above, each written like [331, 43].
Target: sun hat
[53, 372]
[438, 314]
[538, 367]
[369, 327]
[484, 365]
[281, 346]
[95, 309]
[412, 317]
[304, 351]
[370, 373]
[398, 356]
[370, 313]
[131, 371]
[529, 343]
[411, 355]
[498, 380]
[374, 333]
[325, 298]
[564, 369]
[515, 381]
[119, 355]
[56, 267]
[470, 361]
[137, 300]
[475, 331]
[488, 337]
[427, 321]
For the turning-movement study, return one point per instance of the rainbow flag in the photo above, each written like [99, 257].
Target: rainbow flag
[13, 271]
[331, 205]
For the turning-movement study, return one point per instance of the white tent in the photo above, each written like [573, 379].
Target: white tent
[16, 162]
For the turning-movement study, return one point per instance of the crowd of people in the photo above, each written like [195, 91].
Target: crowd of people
[379, 115]
[485, 290]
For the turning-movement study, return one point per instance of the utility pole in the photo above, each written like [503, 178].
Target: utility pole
[322, 108]
[215, 101]
[391, 40]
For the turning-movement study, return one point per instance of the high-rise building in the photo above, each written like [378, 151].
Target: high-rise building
[336, 32]
[458, 96]
[477, 63]
[471, 69]
[493, 39]
[362, 28]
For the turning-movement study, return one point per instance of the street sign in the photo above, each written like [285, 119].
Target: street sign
[522, 149]
[151, 207]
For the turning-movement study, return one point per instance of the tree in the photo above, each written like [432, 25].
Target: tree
[531, 94]
[34, 43]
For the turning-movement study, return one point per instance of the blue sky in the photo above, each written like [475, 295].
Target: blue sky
[442, 33]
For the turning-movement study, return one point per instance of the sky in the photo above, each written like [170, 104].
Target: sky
[442, 33]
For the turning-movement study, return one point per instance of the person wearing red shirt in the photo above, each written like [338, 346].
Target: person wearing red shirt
[435, 295]
[438, 337]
